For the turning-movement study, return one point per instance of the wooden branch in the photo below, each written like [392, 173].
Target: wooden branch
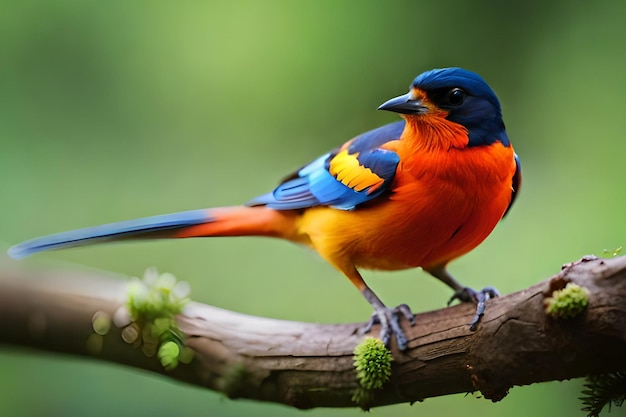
[310, 365]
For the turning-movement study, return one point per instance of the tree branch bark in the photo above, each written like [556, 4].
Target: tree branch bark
[309, 365]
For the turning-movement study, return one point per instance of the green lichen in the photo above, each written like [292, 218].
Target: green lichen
[363, 397]
[101, 323]
[148, 317]
[169, 352]
[568, 302]
[604, 390]
[372, 362]
[156, 295]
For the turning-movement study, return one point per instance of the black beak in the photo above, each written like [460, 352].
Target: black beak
[404, 105]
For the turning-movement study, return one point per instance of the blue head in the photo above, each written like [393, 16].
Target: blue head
[463, 97]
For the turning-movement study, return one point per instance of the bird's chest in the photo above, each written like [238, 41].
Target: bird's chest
[438, 209]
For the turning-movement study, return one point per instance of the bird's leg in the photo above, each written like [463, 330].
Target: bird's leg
[466, 294]
[388, 318]
[479, 298]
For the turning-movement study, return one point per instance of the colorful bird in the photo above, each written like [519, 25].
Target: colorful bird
[416, 193]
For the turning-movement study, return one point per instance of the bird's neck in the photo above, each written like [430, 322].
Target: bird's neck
[433, 133]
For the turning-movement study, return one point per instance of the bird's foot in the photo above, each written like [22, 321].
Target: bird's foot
[469, 295]
[389, 320]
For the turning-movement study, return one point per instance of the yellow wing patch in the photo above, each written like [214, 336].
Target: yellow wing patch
[347, 170]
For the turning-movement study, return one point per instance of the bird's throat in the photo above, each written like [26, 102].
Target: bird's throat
[434, 133]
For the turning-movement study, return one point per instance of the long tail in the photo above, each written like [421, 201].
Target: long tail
[224, 221]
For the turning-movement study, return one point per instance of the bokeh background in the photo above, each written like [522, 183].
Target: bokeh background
[116, 110]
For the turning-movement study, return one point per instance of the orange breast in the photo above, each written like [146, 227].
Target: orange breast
[443, 205]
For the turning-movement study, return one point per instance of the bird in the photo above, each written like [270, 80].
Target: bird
[415, 193]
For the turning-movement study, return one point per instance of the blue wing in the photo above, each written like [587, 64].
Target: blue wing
[350, 175]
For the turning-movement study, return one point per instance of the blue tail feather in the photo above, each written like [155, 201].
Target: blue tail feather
[131, 229]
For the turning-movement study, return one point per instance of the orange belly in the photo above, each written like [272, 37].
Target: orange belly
[439, 210]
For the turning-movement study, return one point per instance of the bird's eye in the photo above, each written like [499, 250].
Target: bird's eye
[456, 97]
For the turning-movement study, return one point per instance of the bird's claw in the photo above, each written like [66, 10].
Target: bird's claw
[467, 295]
[389, 320]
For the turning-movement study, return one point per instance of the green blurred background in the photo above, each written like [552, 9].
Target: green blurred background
[116, 110]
